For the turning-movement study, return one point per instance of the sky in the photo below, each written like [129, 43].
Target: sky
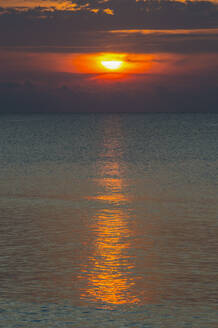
[108, 56]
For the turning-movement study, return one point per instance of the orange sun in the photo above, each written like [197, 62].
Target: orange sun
[112, 65]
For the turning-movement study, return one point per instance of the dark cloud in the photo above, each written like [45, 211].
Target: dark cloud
[165, 41]
[195, 92]
[40, 26]
[9, 85]
[98, 41]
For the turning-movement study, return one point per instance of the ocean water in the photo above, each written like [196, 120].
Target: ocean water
[109, 221]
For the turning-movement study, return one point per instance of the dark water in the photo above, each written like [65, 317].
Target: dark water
[109, 221]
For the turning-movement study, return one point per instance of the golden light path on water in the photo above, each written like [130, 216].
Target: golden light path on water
[110, 280]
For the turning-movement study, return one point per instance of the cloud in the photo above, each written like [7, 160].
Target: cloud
[173, 41]
[9, 85]
[86, 25]
[133, 41]
[61, 22]
[50, 6]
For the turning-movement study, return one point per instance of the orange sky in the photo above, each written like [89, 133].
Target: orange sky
[79, 63]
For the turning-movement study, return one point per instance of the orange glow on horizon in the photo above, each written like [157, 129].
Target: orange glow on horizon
[89, 71]
[107, 67]
[112, 66]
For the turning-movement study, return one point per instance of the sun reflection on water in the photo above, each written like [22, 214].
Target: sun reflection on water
[109, 281]
[110, 266]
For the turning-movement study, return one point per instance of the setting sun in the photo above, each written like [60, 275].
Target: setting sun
[112, 64]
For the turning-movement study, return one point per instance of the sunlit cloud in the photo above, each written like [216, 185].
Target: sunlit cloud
[101, 15]
[179, 31]
[51, 5]
[183, 1]
[110, 7]
[108, 11]
[30, 4]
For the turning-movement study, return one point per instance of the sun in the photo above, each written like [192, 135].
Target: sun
[112, 65]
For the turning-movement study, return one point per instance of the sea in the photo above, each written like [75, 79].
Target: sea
[109, 220]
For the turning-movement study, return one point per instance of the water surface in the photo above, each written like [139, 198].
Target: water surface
[109, 220]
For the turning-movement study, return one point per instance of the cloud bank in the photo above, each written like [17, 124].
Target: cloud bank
[69, 23]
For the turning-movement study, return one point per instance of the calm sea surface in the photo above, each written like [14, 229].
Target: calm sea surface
[109, 221]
